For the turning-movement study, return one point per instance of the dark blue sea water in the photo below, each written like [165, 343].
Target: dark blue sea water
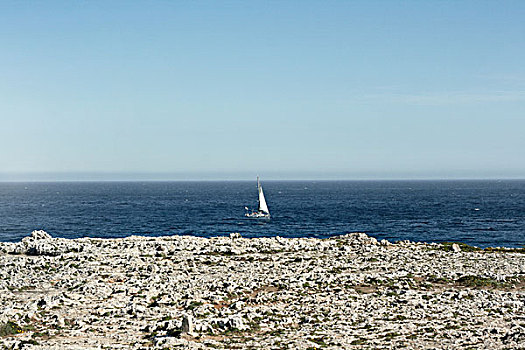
[482, 213]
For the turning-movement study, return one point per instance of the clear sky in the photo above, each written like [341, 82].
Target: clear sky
[284, 89]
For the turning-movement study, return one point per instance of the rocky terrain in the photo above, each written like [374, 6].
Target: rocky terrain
[345, 292]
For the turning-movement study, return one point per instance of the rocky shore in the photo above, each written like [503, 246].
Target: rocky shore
[345, 292]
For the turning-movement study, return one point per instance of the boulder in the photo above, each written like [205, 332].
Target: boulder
[37, 235]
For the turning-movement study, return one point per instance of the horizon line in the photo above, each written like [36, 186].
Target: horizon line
[242, 176]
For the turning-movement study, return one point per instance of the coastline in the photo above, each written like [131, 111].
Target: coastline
[347, 291]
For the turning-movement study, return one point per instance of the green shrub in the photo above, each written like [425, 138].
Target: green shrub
[9, 328]
[477, 281]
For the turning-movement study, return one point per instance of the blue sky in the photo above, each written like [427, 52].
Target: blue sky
[284, 89]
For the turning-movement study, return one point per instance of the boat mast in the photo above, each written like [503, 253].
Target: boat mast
[258, 190]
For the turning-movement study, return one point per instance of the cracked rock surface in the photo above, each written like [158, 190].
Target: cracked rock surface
[344, 292]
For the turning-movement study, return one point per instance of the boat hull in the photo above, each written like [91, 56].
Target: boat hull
[257, 215]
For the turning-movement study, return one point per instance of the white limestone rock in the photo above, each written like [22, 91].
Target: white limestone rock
[345, 292]
[37, 235]
[235, 235]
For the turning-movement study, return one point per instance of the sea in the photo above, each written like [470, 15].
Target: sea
[481, 213]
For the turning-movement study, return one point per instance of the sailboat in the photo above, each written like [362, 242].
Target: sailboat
[262, 209]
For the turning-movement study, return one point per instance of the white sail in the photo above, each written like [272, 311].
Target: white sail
[262, 201]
